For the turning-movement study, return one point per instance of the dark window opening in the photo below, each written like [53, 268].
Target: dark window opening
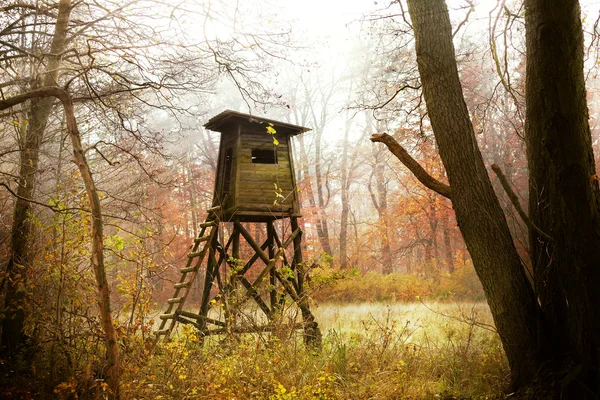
[264, 156]
[227, 177]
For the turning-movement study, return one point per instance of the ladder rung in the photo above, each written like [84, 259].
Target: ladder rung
[175, 300]
[189, 315]
[181, 285]
[188, 269]
[196, 254]
[207, 224]
[198, 317]
[162, 332]
[201, 239]
[167, 316]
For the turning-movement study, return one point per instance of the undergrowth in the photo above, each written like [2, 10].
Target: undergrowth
[387, 359]
[461, 284]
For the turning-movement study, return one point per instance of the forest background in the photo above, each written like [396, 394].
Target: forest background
[144, 76]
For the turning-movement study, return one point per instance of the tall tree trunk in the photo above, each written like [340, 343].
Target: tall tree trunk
[563, 188]
[478, 212]
[321, 199]
[319, 122]
[428, 247]
[188, 173]
[448, 255]
[356, 251]
[345, 183]
[433, 263]
[97, 255]
[21, 255]
[379, 200]
[321, 224]
[59, 248]
[382, 192]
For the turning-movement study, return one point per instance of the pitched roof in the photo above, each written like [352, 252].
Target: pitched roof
[218, 121]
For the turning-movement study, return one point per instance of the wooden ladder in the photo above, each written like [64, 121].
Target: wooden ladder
[189, 273]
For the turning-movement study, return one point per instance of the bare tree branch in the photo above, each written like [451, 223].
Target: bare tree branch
[466, 19]
[515, 201]
[39, 203]
[412, 164]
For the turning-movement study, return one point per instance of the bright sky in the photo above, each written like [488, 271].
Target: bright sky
[328, 29]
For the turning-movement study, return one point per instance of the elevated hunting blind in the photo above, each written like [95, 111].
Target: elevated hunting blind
[255, 185]
[255, 172]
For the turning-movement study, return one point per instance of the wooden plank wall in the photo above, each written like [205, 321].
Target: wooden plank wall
[228, 141]
[256, 190]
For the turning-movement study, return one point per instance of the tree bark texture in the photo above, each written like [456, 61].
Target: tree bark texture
[21, 255]
[478, 212]
[563, 188]
[514, 199]
[448, 254]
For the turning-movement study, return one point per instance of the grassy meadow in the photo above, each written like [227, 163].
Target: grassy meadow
[418, 350]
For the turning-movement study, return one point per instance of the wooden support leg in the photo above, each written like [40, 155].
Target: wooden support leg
[235, 248]
[239, 229]
[229, 286]
[243, 270]
[212, 274]
[285, 260]
[312, 333]
[297, 264]
[272, 281]
[208, 282]
[234, 268]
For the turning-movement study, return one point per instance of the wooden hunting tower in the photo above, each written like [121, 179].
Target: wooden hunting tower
[255, 185]
[255, 172]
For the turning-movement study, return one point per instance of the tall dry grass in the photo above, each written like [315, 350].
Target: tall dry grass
[370, 351]
[372, 286]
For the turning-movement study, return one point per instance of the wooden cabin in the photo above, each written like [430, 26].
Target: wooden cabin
[255, 171]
